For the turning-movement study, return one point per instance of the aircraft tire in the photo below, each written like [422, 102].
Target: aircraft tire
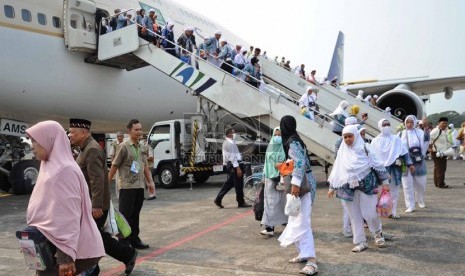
[167, 176]
[5, 184]
[23, 176]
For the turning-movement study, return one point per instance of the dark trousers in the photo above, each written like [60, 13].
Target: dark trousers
[227, 66]
[440, 167]
[130, 204]
[232, 181]
[113, 247]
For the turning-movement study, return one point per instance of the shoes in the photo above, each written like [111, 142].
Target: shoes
[394, 217]
[132, 262]
[379, 240]
[151, 198]
[347, 234]
[310, 268]
[218, 203]
[244, 205]
[139, 245]
[409, 210]
[421, 204]
[443, 187]
[296, 260]
[265, 232]
[360, 247]
[388, 237]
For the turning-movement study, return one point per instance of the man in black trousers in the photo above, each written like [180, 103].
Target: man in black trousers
[231, 158]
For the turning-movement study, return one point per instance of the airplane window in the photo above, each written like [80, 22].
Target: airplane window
[26, 14]
[56, 22]
[73, 23]
[42, 19]
[9, 11]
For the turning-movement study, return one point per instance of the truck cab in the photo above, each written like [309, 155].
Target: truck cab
[179, 149]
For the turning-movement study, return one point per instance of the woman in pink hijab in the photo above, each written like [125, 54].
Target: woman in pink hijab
[60, 205]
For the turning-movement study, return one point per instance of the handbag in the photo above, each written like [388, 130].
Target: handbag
[111, 226]
[123, 226]
[259, 204]
[304, 186]
[38, 252]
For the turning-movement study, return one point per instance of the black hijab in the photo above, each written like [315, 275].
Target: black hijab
[288, 126]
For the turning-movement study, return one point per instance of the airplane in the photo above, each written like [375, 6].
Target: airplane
[403, 95]
[45, 50]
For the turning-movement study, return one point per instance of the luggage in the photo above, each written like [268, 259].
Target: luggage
[258, 204]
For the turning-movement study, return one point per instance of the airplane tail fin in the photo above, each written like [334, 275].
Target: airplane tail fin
[337, 62]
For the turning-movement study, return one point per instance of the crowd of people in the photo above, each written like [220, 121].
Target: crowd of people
[75, 193]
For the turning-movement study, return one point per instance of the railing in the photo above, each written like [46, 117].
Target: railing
[272, 92]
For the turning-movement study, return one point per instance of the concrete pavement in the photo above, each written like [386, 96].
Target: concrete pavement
[189, 235]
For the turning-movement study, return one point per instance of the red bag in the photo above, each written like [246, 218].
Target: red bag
[384, 206]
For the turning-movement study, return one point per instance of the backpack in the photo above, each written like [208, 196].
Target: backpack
[258, 204]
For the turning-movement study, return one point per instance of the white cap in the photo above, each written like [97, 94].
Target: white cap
[223, 40]
[375, 96]
[451, 126]
[152, 10]
[218, 32]
[310, 88]
[189, 28]
[350, 121]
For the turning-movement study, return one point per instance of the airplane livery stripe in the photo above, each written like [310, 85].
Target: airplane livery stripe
[205, 86]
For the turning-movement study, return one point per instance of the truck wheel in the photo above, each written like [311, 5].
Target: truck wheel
[201, 177]
[23, 176]
[167, 176]
[5, 184]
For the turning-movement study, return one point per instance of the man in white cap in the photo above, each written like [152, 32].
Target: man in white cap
[213, 48]
[187, 42]
[225, 56]
[307, 103]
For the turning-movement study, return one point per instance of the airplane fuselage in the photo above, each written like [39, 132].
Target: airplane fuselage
[42, 80]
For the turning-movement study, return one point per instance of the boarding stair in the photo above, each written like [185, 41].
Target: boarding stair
[209, 82]
[329, 97]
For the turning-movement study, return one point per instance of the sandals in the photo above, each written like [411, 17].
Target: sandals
[379, 240]
[394, 217]
[360, 247]
[296, 260]
[310, 268]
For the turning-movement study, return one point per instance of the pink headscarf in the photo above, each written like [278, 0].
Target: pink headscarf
[60, 205]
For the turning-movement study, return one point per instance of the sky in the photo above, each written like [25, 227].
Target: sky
[384, 39]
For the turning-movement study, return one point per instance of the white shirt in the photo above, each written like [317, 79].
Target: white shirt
[231, 153]
[306, 99]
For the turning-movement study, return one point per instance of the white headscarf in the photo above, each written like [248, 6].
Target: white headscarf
[413, 137]
[367, 99]
[353, 163]
[388, 146]
[360, 95]
[341, 109]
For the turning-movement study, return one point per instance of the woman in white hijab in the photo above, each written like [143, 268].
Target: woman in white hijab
[339, 116]
[414, 181]
[367, 99]
[356, 175]
[360, 95]
[395, 155]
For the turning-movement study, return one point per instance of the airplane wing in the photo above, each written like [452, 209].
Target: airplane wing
[419, 86]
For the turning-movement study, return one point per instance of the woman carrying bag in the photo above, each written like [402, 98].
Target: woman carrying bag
[356, 174]
[60, 206]
[275, 199]
[302, 184]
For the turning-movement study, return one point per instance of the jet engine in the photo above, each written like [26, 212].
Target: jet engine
[402, 102]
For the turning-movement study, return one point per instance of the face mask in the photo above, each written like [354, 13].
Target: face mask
[277, 139]
[234, 136]
[386, 130]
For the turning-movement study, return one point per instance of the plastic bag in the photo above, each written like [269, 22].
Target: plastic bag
[292, 205]
[384, 206]
[123, 226]
[111, 226]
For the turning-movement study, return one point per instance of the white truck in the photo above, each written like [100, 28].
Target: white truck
[180, 148]
[18, 170]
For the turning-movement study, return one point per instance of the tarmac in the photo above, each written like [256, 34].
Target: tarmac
[189, 235]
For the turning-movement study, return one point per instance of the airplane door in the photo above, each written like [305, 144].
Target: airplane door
[79, 25]
[160, 139]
